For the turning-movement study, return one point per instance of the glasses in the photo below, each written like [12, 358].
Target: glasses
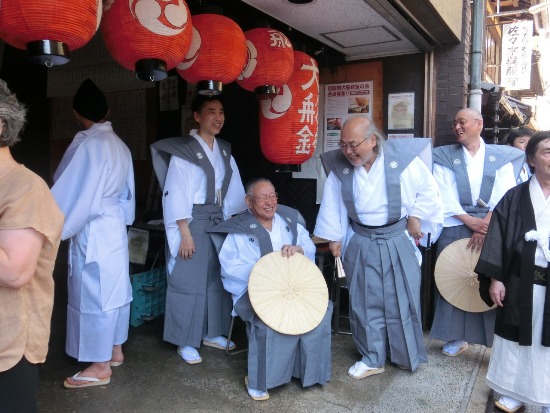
[352, 146]
[460, 122]
[264, 197]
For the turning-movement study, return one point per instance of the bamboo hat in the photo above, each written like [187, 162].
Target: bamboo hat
[290, 294]
[455, 277]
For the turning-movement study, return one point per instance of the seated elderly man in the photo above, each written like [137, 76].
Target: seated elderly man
[273, 358]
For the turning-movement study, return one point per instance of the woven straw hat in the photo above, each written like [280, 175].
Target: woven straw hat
[288, 294]
[455, 277]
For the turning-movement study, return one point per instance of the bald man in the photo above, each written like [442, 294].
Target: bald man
[377, 195]
[274, 358]
[472, 177]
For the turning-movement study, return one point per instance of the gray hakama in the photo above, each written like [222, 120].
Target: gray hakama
[383, 278]
[275, 358]
[450, 322]
[195, 288]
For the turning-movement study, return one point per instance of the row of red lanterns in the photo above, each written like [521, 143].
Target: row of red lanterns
[148, 37]
[153, 36]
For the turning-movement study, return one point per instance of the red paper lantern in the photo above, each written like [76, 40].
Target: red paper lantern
[289, 121]
[217, 55]
[147, 36]
[270, 61]
[49, 29]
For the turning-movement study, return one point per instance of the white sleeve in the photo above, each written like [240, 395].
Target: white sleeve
[504, 180]
[127, 200]
[183, 182]
[332, 220]
[426, 199]
[179, 191]
[234, 199]
[427, 204]
[78, 190]
[304, 241]
[237, 257]
[448, 190]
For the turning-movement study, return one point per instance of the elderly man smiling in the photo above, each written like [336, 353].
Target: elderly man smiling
[376, 195]
[472, 177]
[273, 358]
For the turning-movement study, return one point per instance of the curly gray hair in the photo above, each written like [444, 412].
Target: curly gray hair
[12, 116]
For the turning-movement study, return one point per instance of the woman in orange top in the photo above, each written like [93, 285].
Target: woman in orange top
[30, 230]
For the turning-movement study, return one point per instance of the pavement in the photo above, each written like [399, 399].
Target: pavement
[154, 379]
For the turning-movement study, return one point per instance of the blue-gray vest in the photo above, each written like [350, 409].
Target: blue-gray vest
[246, 223]
[398, 154]
[189, 149]
[496, 156]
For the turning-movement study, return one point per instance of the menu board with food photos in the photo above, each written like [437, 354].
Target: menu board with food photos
[343, 100]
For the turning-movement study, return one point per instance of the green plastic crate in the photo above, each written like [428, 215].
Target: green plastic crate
[149, 295]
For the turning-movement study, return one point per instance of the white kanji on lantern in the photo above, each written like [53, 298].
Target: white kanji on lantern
[304, 141]
[308, 110]
[277, 39]
[314, 74]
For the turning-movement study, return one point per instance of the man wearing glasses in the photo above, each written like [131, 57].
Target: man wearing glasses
[376, 195]
[472, 177]
[273, 358]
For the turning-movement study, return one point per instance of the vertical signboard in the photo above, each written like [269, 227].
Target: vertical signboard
[517, 47]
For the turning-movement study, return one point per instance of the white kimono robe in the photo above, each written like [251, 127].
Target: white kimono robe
[186, 183]
[95, 191]
[419, 197]
[504, 180]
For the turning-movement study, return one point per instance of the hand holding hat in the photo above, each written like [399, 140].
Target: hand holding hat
[289, 294]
